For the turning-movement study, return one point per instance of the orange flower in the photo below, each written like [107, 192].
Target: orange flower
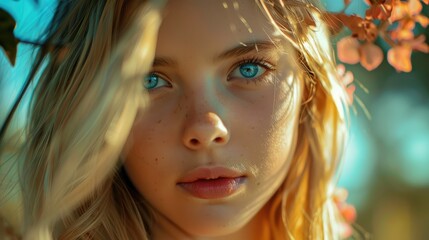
[404, 31]
[348, 212]
[423, 20]
[347, 79]
[351, 51]
[400, 56]
[410, 9]
[394, 21]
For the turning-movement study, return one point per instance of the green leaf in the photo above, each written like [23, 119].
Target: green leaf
[7, 39]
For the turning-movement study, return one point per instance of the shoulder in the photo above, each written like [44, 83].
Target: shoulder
[6, 231]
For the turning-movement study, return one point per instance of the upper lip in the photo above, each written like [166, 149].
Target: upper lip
[209, 173]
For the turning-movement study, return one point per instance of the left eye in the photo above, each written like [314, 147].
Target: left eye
[153, 81]
[248, 71]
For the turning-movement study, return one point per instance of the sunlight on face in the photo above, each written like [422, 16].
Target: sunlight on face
[217, 138]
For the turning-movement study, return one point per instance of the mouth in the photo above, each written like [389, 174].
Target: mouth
[212, 183]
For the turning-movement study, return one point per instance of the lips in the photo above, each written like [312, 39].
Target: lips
[212, 183]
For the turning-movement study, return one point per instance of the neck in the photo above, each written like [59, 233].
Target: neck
[255, 229]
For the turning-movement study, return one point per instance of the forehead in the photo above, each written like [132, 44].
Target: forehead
[209, 27]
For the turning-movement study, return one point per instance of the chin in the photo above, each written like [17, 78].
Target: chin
[213, 230]
[217, 227]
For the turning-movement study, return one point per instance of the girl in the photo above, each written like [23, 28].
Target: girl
[184, 120]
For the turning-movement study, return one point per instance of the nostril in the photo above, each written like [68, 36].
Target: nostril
[219, 140]
[194, 141]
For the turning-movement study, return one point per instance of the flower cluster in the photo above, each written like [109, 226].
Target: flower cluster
[347, 211]
[394, 21]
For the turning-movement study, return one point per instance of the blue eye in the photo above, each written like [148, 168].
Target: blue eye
[153, 81]
[248, 71]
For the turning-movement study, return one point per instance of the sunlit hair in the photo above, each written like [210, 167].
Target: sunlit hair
[303, 207]
[85, 102]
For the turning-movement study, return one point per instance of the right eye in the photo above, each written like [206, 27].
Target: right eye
[153, 81]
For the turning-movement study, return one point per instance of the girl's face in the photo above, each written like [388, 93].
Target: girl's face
[216, 141]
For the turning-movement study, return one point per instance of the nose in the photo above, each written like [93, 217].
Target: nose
[205, 131]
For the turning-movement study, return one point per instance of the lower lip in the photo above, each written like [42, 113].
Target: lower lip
[213, 188]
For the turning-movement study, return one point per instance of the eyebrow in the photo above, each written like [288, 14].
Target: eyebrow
[240, 50]
[163, 61]
[245, 48]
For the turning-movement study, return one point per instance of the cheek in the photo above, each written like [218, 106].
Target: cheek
[276, 148]
[150, 135]
[276, 141]
[146, 156]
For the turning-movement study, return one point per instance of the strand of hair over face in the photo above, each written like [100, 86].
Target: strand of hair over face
[303, 207]
[78, 158]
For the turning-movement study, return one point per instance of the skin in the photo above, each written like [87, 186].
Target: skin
[205, 113]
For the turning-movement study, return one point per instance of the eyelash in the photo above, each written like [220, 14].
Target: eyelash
[263, 62]
[161, 76]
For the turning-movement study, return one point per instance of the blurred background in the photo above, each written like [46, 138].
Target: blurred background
[387, 163]
[386, 169]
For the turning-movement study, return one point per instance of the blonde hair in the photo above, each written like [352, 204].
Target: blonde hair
[303, 207]
[72, 182]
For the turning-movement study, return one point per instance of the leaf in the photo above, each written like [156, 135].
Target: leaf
[353, 22]
[380, 11]
[348, 50]
[7, 40]
[400, 58]
[363, 29]
[371, 56]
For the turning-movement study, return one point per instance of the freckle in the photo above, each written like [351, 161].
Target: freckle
[156, 160]
[178, 108]
[159, 121]
[258, 183]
